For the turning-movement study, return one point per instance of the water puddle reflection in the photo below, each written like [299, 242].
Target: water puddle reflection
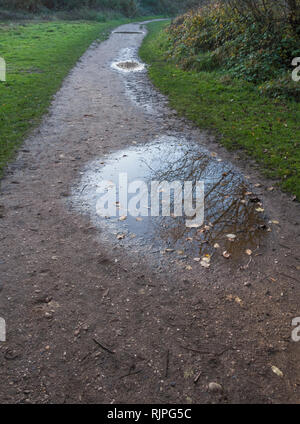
[231, 207]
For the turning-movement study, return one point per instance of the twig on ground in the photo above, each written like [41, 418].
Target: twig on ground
[103, 347]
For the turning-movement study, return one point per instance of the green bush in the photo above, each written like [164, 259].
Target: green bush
[235, 41]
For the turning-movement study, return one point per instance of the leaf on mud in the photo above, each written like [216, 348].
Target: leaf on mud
[257, 185]
[231, 237]
[180, 252]
[197, 259]
[169, 250]
[238, 300]
[216, 246]
[122, 218]
[226, 254]
[189, 239]
[205, 261]
[259, 209]
[270, 188]
[188, 268]
[231, 298]
[121, 236]
[249, 252]
[274, 221]
[277, 371]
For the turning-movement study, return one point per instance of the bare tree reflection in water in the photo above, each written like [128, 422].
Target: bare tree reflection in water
[228, 205]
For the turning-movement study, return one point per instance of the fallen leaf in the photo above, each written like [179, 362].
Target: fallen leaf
[226, 254]
[249, 252]
[277, 371]
[231, 297]
[231, 237]
[216, 246]
[188, 268]
[205, 261]
[122, 218]
[121, 236]
[259, 209]
[139, 219]
[197, 259]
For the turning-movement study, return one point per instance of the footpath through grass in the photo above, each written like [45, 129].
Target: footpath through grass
[268, 130]
[38, 58]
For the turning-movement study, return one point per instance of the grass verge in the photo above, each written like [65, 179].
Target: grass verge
[268, 130]
[38, 58]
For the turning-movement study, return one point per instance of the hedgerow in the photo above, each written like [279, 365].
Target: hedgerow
[220, 36]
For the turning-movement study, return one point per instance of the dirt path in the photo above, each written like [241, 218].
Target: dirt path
[87, 322]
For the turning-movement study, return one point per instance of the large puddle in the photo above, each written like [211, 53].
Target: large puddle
[234, 222]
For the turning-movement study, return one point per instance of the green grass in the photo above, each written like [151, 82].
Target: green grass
[268, 130]
[38, 58]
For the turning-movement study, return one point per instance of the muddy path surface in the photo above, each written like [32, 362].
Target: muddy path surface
[92, 317]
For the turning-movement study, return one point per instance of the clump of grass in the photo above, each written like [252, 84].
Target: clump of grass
[267, 129]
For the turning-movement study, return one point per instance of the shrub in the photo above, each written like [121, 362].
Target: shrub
[240, 40]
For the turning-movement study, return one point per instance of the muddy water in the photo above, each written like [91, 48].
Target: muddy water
[230, 205]
[134, 76]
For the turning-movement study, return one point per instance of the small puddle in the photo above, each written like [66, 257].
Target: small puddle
[129, 66]
[231, 207]
[128, 62]
[137, 86]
